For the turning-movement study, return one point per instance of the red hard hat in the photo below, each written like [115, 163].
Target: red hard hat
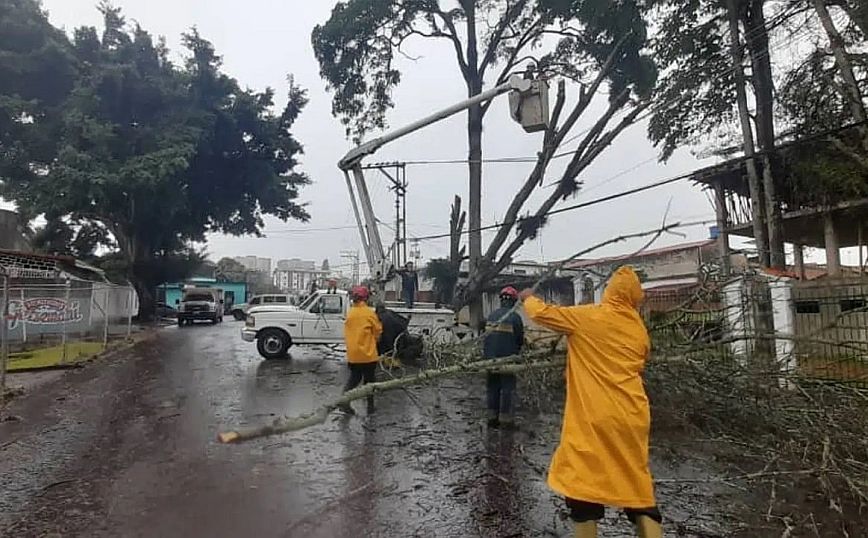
[510, 292]
[360, 293]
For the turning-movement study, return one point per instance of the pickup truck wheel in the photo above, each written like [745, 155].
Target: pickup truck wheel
[238, 315]
[180, 322]
[273, 343]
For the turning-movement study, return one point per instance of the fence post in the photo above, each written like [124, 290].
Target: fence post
[105, 315]
[23, 325]
[782, 311]
[734, 310]
[63, 357]
[4, 337]
[130, 301]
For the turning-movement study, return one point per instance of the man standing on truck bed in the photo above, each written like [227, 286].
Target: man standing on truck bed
[362, 329]
[409, 284]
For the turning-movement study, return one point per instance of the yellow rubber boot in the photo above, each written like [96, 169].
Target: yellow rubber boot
[586, 529]
[648, 528]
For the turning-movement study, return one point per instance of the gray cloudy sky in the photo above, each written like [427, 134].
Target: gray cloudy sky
[262, 41]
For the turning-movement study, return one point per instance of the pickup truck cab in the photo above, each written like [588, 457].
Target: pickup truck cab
[239, 311]
[320, 320]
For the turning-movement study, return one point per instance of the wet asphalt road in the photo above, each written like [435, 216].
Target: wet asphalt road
[126, 447]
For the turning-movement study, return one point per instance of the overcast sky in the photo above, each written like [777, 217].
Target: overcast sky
[262, 41]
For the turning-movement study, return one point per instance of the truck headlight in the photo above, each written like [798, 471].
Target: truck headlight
[250, 321]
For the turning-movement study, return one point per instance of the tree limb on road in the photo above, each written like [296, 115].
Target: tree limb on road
[505, 365]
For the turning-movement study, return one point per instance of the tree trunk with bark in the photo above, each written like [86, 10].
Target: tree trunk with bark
[757, 41]
[756, 190]
[850, 89]
[473, 79]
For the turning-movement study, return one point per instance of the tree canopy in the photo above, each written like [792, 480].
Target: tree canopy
[358, 46]
[156, 153]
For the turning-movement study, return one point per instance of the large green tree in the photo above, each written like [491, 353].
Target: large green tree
[157, 154]
[718, 63]
[713, 46]
[588, 41]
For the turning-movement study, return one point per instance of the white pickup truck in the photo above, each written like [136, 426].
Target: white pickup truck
[320, 320]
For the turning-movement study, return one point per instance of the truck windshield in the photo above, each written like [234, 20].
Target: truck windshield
[199, 297]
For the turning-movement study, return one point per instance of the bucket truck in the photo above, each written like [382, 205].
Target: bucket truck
[528, 101]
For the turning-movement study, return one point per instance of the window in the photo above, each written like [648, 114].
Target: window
[256, 300]
[268, 299]
[848, 305]
[280, 299]
[199, 297]
[807, 307]
[331, 304]
[307, 302]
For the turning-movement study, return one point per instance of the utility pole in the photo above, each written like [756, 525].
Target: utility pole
[353, 256]
[398, 180]
[416, 253]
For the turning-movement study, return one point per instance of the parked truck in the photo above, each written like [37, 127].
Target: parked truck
[320, 320]
[198, 304]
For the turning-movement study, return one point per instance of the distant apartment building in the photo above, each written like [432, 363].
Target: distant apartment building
[253, 263]
[297, 276]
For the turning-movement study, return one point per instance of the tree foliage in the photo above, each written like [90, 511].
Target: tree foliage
[444, 274]
[229, 270]
[696, 90]
[358, 46]
[156, 153]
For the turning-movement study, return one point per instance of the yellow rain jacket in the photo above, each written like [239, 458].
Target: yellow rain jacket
[603, 453]
[362, 329]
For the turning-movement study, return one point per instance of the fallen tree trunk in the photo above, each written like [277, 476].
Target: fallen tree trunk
[505, 365]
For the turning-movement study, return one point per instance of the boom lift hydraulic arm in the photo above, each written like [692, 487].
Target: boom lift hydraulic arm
[528, 106]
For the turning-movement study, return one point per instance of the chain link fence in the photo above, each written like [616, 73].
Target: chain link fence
[50, 324]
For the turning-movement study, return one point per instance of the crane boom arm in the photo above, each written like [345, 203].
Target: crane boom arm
[351, 164]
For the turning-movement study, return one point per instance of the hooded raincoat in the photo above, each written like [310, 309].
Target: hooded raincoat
[603, 453]
[362, 330]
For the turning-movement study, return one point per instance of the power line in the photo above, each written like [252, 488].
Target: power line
[654, 108]
[655, 184]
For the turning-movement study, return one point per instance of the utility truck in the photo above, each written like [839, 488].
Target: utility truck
[320, 319]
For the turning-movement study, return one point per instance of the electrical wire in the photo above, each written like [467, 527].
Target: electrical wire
[794, 38]
[649, 186]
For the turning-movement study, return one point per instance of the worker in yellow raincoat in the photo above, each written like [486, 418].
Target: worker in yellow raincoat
[362, 329]
[602, 459]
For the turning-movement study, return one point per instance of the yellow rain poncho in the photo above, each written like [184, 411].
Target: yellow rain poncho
[603, 453]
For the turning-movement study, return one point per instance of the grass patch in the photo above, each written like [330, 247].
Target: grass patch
[51, 357]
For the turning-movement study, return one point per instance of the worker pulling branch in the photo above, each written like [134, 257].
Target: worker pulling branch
[602, 458]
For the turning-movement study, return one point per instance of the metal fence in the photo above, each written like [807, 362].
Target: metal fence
[816, 330]
[831, 329]
[47, 323]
